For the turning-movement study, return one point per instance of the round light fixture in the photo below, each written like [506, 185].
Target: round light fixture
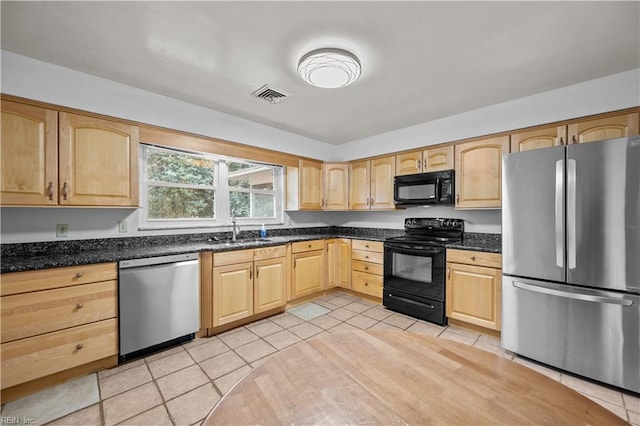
[329, 68]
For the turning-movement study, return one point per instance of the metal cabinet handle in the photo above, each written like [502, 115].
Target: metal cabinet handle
[251, 273]
[473, 258]
[79, 346]
[366, 268]
[573, 139]
[50, 190]
[448, 273]
[257, 271]
[366, 257]
[366, 284]
[79, 306]
[79, 275]
[418, 165]
[65, 190]
[294, 262]
[372, 201]
[457, 198]
[561, 141]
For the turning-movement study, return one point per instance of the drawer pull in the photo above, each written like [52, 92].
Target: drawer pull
[366, 284]
[366, 245]
[473, 258]
[79, 306]
[366, 268]
[366, 257]
[79, 346]
[309, 246]
[79, 275]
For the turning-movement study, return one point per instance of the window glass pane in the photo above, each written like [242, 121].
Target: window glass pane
[265, 205]
[239, 204]
[178, 167]
[250, 176]
[178, 203]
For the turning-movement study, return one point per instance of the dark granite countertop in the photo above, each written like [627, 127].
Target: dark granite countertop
[43, 255]
[491, 243]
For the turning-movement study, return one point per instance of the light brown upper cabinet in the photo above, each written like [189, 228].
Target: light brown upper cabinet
[304, 186]
[479, 172]
[617, 126]
[540, 138]
[428, 160]
[29, 152]
[336, 186]
[98, 162]
[371, 184]
[51, 158]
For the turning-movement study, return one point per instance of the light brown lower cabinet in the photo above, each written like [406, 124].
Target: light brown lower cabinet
[308, 268]
[338, 263]
[54, 322]
[248, 282]
[367, 259]
[474, 288]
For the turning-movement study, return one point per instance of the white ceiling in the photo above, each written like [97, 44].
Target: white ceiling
[421, 60]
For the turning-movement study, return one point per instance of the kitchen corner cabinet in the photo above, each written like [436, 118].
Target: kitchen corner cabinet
[51, 158]
[617, 126]
[540, 138]
[479, 172]
[474, 288]
[338, 263]
[304, 186]
[308, 268]
[367, 263]
[55, 321]
[371, 184]
[428, 160]
[336, 186]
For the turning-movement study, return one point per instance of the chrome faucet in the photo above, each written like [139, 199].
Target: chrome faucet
[235, 230]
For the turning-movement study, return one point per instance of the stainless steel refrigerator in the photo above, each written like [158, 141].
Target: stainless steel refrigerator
[571, 258]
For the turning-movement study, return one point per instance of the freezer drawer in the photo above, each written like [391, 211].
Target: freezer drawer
[592, 333]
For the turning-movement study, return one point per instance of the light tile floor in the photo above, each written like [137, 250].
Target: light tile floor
[179, 386]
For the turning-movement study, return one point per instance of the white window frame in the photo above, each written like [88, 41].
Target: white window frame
[222, 216]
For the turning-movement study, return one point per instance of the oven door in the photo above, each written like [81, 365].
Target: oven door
[414, 271]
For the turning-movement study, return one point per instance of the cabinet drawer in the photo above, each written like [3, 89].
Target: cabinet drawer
[269, 252]
[367, 256]
[30, 314]
[367, 245]
[367, 283]
[371, 268]
[35, 357]
[45, 279]
[301, 246]
[232, 257]
[492, 260]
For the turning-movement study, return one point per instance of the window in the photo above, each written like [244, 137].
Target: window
[185, 189]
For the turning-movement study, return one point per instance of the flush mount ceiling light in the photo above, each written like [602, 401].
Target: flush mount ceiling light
[329, 68]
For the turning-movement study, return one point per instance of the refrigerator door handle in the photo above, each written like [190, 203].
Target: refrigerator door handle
[573, 295]
[571, 213]
[559, 216]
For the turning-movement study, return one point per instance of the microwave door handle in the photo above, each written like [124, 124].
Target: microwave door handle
[438, 191]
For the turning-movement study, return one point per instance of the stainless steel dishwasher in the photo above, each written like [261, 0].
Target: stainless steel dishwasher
[159, 303]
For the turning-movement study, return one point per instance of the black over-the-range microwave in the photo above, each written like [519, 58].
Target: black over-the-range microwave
[424, 188]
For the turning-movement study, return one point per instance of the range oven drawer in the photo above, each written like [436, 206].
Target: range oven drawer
[431, 310]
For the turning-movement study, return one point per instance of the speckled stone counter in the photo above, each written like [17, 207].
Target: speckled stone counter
[491, 243]
[42, 255]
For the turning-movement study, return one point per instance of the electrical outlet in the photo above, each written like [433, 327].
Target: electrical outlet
[122, 227]
[62, 230]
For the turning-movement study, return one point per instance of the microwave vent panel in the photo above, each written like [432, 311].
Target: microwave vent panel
[271, 94]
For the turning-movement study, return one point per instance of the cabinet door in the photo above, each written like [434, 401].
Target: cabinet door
[479, 172]
[29, 152]
[308, 273]
[409, 163]
[343, 254]
[359, 185]
[541, 138]
[336, 186]
[382, 172]
[98, 162]
[473, 295]
[232, 293]
[618, 126]
[310, 185]
[437, 159]
[269, 286]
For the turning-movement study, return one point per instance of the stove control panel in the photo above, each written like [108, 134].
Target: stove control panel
[427, 223]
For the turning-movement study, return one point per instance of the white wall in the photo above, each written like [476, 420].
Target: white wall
[611, 93]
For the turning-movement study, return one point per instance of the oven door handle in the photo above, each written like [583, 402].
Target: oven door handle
[405, 248]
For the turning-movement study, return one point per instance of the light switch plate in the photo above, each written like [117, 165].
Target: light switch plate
[62, 230]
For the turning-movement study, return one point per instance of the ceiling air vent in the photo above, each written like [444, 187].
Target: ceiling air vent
[270, 94]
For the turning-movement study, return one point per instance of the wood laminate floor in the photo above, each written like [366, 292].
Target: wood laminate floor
[395, 378]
